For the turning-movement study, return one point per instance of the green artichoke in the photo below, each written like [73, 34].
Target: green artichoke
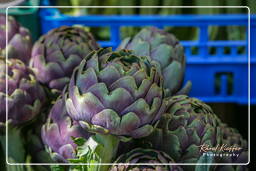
[164, 48]
[25, 96]
[231, 137]
[19, 40]
[116, 93]
[157, 161]
[57, 53]
[187, 124]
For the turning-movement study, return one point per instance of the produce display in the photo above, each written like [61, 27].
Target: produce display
[72, 102]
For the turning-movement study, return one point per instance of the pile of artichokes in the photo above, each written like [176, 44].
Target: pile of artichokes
[70, 101]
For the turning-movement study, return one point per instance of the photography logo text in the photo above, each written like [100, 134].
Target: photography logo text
[220, 150]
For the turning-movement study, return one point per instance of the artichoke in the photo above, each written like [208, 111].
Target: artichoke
[231, 137]
[59, 131]
[187, 124]
[57, 53]
[25, 95]
[116, 93]
[165, 49]
[19, 40]
[150, 156]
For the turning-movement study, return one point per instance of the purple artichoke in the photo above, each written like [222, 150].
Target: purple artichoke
[138, 155]
[116, 93]
[58, 132]
[57, 53]
[25, 95]
[19, 40]
[165, 49]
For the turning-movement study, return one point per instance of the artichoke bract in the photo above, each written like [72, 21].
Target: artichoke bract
[19, 39]
[57, 53]
[25, 95]
[59, 131]
[116, 93]
[164, 48]
[188, 124]
[145, 156]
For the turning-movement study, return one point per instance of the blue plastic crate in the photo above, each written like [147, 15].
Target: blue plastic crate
[203, 68]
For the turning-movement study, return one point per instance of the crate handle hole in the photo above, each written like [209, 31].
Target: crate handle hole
[224, 83]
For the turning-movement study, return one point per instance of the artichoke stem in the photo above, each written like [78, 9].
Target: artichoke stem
[110, 145]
